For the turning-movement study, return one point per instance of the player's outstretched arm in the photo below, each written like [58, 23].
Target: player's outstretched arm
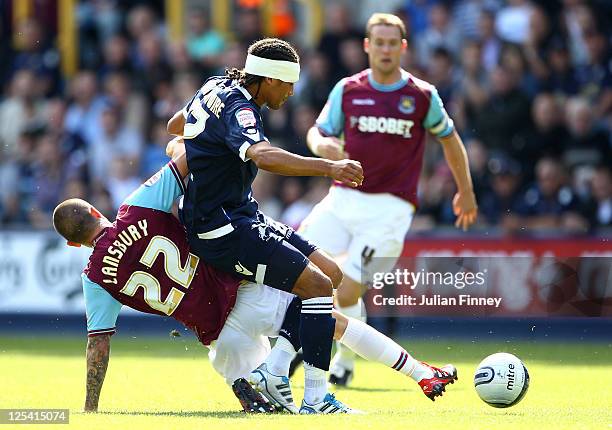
[98, 352]
[325, 146]
[279, 161]
[464, 202]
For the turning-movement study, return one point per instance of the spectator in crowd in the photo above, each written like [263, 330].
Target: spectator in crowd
[132, 104]
[115, 140]
[586, 142]
[440, 74]
[548, 134]
[142, 19]
[18, 178]
[84, 112]
[180, 61]
[467, 13]
[537, 42]
[35, 53]
[550, 203]
[315, 83]
[49, 177]
[248, 26]
[595, 78]
[150, 63]
[71, 146]
[472, 91]
[204, 44]
[22, 107]
[352, 57]
[436, 198]
[304, 116]
[491, 44]
[478, 157]
[501, 204]
[418, 13]
[154, 153]
[576, 17]
[504, 119]
[116, 57]
[513, 59]
[601, 193]
[122, 179]
[441, 33]
[562, 79]
[338, 29]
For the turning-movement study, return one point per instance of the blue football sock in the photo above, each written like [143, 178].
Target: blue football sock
[317, 331]
[290, 329]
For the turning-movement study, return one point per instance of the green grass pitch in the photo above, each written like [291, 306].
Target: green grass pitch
[168, 384]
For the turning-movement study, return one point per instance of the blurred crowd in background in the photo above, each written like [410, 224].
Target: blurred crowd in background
[528, 84]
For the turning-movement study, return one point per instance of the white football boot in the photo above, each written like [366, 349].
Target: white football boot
[276, 389]
[329, 405]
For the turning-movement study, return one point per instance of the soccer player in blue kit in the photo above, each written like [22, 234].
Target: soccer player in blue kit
[226, 144]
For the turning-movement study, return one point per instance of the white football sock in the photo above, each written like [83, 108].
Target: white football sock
[375, 346]
[279, 359]
[315, 384]
[345, 356]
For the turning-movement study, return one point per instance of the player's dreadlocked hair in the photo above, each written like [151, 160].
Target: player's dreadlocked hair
[73, 220]
[270, 48]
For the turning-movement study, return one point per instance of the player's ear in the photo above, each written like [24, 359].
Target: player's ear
[404, 45]
[95, 213]
[366, 45]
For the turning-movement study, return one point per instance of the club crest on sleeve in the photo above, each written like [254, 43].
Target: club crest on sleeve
[246, 118]
[406, 104]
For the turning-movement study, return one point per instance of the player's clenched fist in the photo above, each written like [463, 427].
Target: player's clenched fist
[349, 172]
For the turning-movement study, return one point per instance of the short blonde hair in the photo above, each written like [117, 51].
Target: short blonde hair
[386, 19]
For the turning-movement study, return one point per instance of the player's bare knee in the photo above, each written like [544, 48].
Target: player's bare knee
[327, 264]
[321, 285]
[312, 283]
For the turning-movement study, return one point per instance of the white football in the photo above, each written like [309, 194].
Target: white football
[501, 380]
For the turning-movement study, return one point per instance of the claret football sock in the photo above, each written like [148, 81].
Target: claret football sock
[375, 346]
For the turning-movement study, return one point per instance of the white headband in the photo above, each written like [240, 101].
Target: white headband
[286, 71]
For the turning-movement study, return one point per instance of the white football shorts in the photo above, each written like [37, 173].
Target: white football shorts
[363, 225]
[243, 343]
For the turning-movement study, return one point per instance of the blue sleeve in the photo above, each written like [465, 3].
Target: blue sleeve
[160, 191]
[101, 308]
[437, 120]
[331, 119]
[244, 128]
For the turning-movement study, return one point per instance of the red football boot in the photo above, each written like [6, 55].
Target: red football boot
[435, 386]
